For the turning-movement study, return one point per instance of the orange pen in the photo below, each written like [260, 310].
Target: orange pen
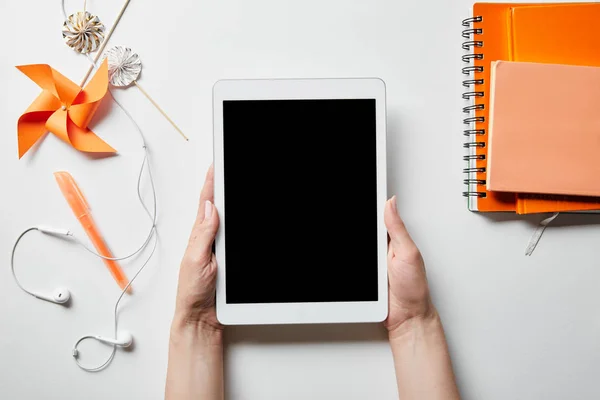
[81, 209]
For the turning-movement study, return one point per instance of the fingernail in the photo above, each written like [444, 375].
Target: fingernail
[207, 209]
[394, 206]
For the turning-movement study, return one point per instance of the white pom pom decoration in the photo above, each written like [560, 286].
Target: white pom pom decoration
[124, 66]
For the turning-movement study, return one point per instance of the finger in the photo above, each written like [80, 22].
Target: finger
[207, 193]
[399, 237]
[203, 235]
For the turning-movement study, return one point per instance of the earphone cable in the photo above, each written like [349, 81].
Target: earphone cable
[115, 322]
[152, 216]
[12, 260]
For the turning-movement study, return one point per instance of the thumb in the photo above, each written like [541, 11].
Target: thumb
[400, 240]
[203, 234]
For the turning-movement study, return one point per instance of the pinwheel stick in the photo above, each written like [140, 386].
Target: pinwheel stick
[160, 109]
[104, 42]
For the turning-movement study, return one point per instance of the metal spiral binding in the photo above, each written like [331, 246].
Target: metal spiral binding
[474, 107]
[474, 157]
[472, 45]
[472, 68]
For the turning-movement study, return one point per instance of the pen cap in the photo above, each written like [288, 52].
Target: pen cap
[72, 193]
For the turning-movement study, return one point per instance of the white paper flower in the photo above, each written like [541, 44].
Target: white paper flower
[83, 32]
[124, 66]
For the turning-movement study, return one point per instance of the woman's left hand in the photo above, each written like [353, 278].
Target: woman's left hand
[198, 273]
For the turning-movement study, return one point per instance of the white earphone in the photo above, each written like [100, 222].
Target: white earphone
[62, 296]
[59, 296]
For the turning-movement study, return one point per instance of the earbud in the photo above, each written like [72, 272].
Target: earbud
[125, 339]
[59, 296]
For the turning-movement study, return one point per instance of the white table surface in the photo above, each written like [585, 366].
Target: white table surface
[518, 328]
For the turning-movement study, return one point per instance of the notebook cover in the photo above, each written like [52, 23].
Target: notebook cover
[498, 39]
[544, 130]
[572, 28]
[557, 34]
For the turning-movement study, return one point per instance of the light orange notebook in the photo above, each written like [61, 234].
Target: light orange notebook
[505, 31]
[544, 129]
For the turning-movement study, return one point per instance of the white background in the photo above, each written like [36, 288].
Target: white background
[518, 328]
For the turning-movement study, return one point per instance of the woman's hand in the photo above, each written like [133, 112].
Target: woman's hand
[196, 346]
[198, 273]
[421, 357]
[408, 288]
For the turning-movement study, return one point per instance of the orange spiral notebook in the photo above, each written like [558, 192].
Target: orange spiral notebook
[561, 33]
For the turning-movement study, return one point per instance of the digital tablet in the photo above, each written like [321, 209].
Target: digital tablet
[300, 187]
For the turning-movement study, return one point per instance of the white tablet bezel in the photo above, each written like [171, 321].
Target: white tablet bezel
[300, 313]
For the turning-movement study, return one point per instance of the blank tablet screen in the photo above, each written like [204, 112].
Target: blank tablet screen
[300, 201]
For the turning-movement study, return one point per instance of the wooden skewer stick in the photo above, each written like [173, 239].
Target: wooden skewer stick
[99, 53]
[104, 43]
[160, 110]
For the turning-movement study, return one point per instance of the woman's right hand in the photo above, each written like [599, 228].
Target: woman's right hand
[421, 356]
[408, 288]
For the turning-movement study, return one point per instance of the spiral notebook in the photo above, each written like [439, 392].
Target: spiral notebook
[562, 33]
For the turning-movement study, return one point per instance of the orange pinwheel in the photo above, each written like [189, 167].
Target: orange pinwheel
[63, 108]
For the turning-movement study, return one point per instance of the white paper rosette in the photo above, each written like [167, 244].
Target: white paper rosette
[124, 66]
